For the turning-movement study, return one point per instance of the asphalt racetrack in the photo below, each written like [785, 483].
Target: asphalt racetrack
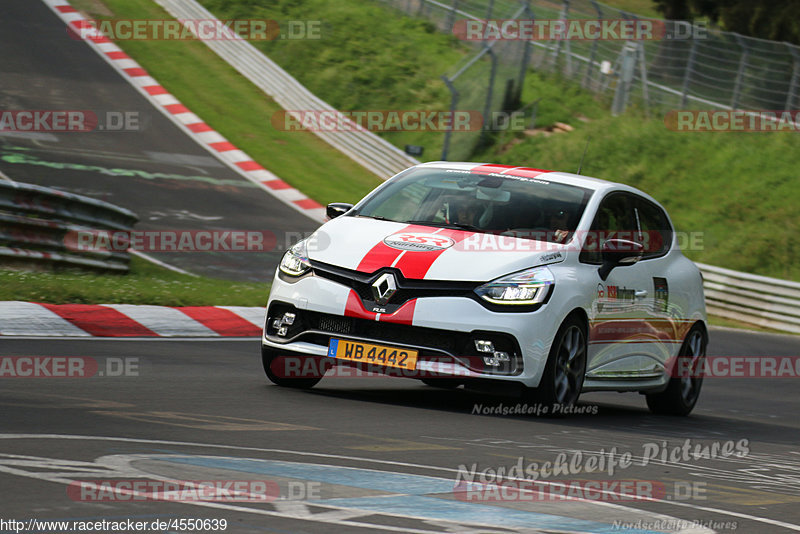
[369, 454]
[356, 453]
[151, 168]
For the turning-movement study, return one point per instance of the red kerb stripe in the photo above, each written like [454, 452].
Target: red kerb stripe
[99, 320]
[223, 322]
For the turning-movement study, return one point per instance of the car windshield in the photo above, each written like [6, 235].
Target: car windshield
[529, 208]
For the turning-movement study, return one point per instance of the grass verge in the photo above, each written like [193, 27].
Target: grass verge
[146, 283]
[236, 108]
[724, 322]
[736, 192]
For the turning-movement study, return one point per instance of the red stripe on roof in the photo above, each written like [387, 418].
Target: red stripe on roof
[487, 169]
[223, 322]
[99, 320]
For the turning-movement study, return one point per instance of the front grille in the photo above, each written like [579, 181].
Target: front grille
[334, 325]
[407, 289]
[433, 344]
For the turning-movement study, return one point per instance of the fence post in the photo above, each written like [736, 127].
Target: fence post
[453, 103]
[687, 76]
[526, 55]
[593, 53]
[627, 63]
[451, 17]
[737, 88]
[562, 15]
[793, 50]
[487, 108]
[643, 71]
[489, 9]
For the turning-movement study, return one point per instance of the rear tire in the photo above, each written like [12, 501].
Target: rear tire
[563, 375]
[683, 391]
[284, 370]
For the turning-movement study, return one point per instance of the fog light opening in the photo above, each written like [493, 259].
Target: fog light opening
[497, 359]
[283, 323]
[481, 345]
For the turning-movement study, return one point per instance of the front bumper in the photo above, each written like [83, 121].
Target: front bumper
[441, 328]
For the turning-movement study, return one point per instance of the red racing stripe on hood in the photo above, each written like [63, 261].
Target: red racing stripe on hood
[415, 264]
[382, 255]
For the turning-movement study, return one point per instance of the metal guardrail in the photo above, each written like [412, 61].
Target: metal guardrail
[374, 153]
[753, 299]
[35, 223]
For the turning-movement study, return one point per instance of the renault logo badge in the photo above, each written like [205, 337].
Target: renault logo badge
[383, 288]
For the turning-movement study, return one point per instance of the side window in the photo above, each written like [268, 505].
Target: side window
[656, 230]
[614, 219]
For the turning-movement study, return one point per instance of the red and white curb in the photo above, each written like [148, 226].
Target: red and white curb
[127, 320]
[190, 123]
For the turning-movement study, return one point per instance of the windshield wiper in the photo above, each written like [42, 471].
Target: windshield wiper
[442, 224]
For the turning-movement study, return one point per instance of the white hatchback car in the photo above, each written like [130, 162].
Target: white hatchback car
[545, 283]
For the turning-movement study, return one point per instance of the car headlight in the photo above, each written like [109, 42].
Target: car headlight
[295, 261]
[523, 288]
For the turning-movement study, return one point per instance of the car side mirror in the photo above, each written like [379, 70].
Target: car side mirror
[618, 253]
[337, 208]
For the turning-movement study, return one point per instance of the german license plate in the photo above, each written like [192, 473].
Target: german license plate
[375, 354]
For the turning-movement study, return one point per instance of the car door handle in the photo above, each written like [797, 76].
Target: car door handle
[640, 293]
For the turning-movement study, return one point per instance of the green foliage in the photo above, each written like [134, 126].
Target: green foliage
[145, 284]
[739, 190]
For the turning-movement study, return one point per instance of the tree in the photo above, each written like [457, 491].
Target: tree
[778, 20]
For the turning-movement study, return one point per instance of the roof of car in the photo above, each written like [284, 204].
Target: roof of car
[567, 178]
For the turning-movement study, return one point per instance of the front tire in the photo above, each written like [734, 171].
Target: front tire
[683, 391]
[299, 372]
[563, 376]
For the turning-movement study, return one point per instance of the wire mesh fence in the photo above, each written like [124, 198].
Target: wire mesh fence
[682, 66]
